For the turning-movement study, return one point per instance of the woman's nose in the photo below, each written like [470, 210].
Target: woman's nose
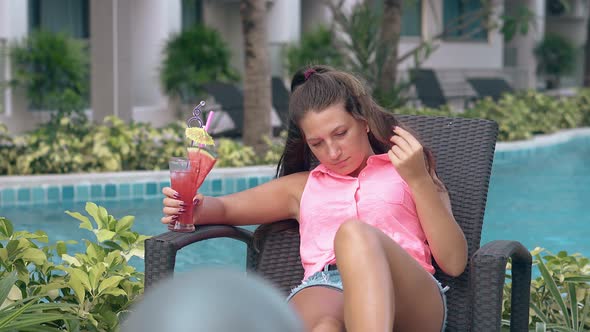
[334, 151]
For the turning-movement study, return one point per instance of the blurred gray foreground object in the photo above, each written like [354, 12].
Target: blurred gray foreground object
[213, 299]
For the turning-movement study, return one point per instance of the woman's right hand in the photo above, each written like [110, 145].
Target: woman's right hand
[174, 206]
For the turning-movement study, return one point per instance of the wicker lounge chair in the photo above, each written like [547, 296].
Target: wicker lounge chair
[428, 88]
[464, 150]
[493, 87]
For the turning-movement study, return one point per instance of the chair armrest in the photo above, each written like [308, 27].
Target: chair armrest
[160, 250]
[488, 274]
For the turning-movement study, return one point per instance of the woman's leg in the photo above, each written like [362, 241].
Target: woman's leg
[385, 289]
[320, 308]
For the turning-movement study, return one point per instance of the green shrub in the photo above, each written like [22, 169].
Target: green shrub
[96, 287]
[234, 153]
[10, 149]
[443, 111]
[192, 58]
[29, 314]
[315, 47]
[582, 101]
[556, 56]
[522, 115]
[275, 149]
[54, 71]
[140, 146]
[71, 144]
[560, 296]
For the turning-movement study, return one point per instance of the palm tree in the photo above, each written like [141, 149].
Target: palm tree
[257, 92]
[389, 39]
[587, 54]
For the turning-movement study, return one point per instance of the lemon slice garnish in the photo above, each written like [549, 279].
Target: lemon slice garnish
[199, 136]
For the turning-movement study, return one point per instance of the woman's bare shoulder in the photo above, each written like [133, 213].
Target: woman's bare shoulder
[294, 183]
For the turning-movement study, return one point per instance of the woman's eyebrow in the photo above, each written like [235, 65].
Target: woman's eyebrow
[331, 132]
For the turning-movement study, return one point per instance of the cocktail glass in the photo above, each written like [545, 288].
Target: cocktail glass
[186, 179]
[183, 179]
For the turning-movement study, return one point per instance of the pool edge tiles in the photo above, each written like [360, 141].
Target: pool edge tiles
[539, 144]
[46, 189]
[540, 141]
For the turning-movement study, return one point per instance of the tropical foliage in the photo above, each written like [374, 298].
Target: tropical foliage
[521, 116]
[316, 46]
[30, 314]
[560, 295]
[53, 69]
[556, 56]
[192, 58]
[72, 144]
[42, 285]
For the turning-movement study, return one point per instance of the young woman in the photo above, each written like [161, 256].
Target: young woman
[371, 214]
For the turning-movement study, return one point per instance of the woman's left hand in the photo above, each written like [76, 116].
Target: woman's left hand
[407, 155]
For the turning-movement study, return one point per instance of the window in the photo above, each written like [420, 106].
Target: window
[192, 13]
[463, 19]
[68, 16]
[412, 18]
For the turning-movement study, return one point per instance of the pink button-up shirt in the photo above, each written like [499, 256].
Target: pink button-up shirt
[378, 197]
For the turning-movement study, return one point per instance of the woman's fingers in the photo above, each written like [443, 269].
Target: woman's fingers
[394, 159]
[173, 210]
[172, 202]
[409, 138]
[198, 199]
[401, 142]
[398, 152]
[169, 219]
[172, 205]
[169, 192]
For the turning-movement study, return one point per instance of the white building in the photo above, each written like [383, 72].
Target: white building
[126, 38]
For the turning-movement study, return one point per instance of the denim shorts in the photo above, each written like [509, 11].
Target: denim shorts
[332, 279]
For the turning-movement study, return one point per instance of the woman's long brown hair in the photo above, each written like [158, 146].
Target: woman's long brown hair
[316, 88]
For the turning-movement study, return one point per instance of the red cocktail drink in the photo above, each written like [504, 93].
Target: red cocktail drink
[183, 178]
[187, 175]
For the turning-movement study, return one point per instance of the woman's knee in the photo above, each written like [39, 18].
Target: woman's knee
[328, 324]
[354, 231]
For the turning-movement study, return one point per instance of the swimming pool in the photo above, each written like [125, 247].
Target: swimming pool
[536, 196]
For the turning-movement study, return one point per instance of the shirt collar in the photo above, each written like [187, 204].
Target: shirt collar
[372, 160]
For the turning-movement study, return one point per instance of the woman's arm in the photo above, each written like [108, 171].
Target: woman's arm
[272, 201]
[445, 237]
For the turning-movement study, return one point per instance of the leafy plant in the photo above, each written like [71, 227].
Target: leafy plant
[97, 286]
[10, 148]
[315, 47]
[54, 71]
[192, 58]
[275, 148]
[560, 296]
[556, 57]
[28, 314]
[234, 153]
[520, 116]
[75, 145]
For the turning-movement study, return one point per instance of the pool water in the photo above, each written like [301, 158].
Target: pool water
[542, 200]
[539, 200]
[147, 212]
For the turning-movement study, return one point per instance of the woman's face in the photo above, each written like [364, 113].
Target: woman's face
[337, 140]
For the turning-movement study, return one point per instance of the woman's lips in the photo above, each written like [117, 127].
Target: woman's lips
[341, 163]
